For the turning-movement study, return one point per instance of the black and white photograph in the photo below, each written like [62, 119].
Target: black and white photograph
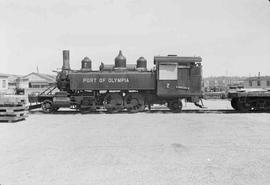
[134, 92]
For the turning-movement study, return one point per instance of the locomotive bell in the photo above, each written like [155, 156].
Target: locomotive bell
[120, 60]
[86, 64]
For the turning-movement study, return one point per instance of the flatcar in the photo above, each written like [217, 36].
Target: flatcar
[250, 100]
[126, 87]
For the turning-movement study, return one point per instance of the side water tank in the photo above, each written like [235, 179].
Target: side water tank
[86, 64]
[120, 61]
[141, 63]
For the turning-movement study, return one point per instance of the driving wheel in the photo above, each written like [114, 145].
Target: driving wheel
[134, 102]
[47, 106]
[113, 102]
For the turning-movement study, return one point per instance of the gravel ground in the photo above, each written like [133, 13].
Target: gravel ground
[156, 147]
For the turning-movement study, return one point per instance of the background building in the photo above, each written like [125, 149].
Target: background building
[257, 82]
[39, 80]
[33, 82]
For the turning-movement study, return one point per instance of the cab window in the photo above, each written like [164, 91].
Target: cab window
[168, 72]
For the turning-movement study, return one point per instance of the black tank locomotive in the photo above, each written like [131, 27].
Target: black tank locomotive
[127, 87]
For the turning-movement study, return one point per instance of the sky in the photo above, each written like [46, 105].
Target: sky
[231, 36]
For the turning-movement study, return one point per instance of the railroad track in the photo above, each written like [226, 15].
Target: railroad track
[163, 111]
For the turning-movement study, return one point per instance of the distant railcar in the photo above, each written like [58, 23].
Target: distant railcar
[125, 87]
[247, 100]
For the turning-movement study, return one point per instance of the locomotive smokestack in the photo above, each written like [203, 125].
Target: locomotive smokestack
[66, 65]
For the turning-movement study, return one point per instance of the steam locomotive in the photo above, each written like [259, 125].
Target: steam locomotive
[126, 87]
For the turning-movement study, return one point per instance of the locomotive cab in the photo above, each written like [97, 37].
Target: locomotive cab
[179, 77]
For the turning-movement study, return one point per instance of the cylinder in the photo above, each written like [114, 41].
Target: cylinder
[120, 61]
[66, 65]
[86, 64]
[141, 63]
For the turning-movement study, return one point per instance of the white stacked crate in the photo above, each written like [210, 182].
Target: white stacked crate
[13, 108]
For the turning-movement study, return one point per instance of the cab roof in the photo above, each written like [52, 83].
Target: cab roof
[176, 59]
